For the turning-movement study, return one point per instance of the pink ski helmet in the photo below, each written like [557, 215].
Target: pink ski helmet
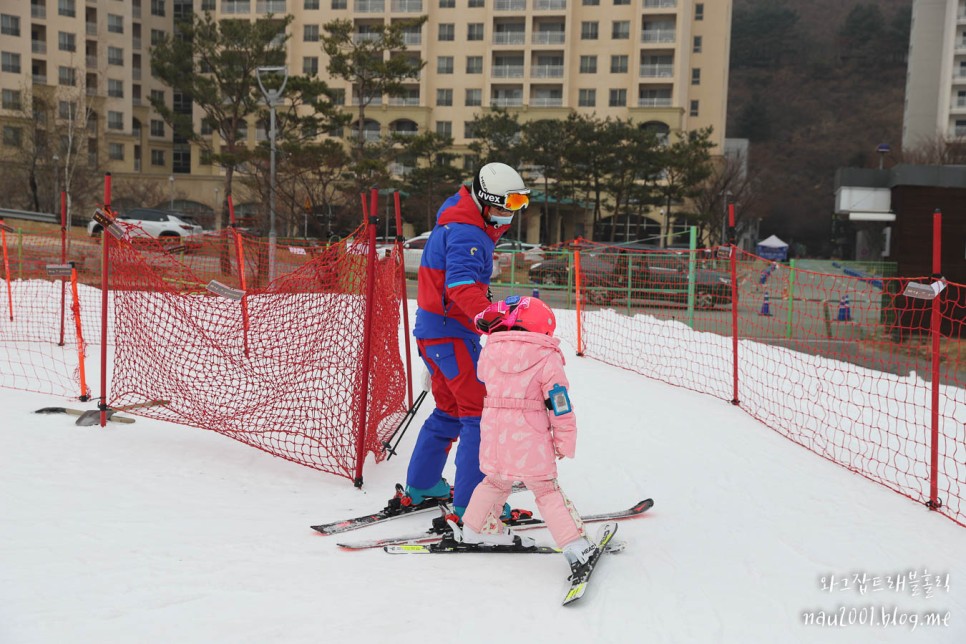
[522, 313]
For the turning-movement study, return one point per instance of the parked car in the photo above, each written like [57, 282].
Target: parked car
[662, 276]
[531, 252]
[413, 253]
[159, 224]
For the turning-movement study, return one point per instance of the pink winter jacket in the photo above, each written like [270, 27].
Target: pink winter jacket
[519, 436]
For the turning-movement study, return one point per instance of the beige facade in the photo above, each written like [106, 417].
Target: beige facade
[662, 62]
[935, 105]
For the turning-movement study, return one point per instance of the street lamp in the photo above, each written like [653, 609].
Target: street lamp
[883, 149]
[171, 184]
[271, 98]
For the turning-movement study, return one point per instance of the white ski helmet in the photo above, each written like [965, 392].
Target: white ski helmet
[497, 184]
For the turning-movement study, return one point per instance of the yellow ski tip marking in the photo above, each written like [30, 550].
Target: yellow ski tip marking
[411, 548]
[574, 592]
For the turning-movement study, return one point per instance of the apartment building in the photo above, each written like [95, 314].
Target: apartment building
[935, 103]
[662, 63]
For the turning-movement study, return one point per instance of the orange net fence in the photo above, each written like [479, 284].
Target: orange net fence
[833, 358]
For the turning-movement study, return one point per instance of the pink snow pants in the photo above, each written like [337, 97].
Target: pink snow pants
[486, 506]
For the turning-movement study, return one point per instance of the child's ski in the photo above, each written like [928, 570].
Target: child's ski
[431, 536]
[451, 547]
[581, 576]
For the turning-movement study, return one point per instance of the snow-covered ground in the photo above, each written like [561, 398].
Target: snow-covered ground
[155, 532]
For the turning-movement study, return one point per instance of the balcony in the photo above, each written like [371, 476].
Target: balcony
[654, 101]
[413, 38]
[369, 6]
[959, 131]
[509, 38]
[405, 101]
[91, 28]
[357, 38]
[38, 11]
[38, 46]
[136, 12]
[270, 6]
[657, 71]
[660, 4]
[507, 71]
[91, 61]
[549, 37]
[551, 5]
[510, 5]
[546, 101]
[546, 71]
[136, 44]
[136, 73]
[39, 79]
[959, 76]
[658, 35]
[406, 6]
[506, 101]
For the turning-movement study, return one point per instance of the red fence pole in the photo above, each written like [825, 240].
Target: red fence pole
[81, 347]
[577, 278]
[734, 302]
[6, 265]
[405, 296]
[366, 339]
[934, 502]
[240, 259]
[63, 260]
[105, 244]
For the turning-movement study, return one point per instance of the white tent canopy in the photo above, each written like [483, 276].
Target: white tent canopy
[773, 242]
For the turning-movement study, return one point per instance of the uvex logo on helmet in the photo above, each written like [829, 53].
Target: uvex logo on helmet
[483, 195]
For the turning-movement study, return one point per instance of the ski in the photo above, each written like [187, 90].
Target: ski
[451, 546]
[432, 536]
[393, 510]
[580, 578]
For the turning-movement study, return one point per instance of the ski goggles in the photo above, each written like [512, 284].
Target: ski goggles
[514, 201]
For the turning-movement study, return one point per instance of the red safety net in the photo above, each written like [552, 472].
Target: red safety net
[834, 359]
[280, 369]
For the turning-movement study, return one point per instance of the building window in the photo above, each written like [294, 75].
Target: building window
[587, 98]
[588, 31]
[474, 31]
[699, 11]
[157, 157]
[621, 30]
[115, 23]
[310, 65]
[115, 120]
[447, 4]
[311, 4]
[696, 48]
[115, 151]
[11, 99]
[207, 5]
[444, 97]
[12, 136]
[618, 64]
[157, 8]
[588, 64]
[694, 109]
[115, 88]
[10, 62]
[157, 96]
[66, 109]
[66, 8]
[591, 3]
[157, 127]
[310, 33]
[444, 128]
[475, 4]
[617, 98]
[447, 32]
[444, 65]
[468, 131]
[340, 4]
[9, 25]
[67, 76]
[115, 56]
[474, 97]
[617, 3]
[474, 64]
[696, 76]
[66, 41]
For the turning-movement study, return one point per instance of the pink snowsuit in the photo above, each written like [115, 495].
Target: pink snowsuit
[519, 436]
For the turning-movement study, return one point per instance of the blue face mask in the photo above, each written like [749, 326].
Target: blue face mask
[498, 220]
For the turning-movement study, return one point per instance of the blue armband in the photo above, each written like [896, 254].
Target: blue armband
[559, 400]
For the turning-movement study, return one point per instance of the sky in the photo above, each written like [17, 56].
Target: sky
[156, 532]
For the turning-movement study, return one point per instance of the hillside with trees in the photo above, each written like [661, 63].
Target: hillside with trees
[814, 85]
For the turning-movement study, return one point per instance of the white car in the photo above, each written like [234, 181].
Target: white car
[413, 252]
[159, 224]
[531, 252]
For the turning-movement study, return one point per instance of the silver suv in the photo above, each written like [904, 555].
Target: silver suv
[159, 224]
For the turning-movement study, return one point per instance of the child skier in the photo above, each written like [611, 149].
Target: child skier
[526, 422]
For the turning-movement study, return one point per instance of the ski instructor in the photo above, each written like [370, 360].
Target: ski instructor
[453, 287]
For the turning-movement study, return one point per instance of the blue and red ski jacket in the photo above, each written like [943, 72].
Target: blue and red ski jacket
[455, 269]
